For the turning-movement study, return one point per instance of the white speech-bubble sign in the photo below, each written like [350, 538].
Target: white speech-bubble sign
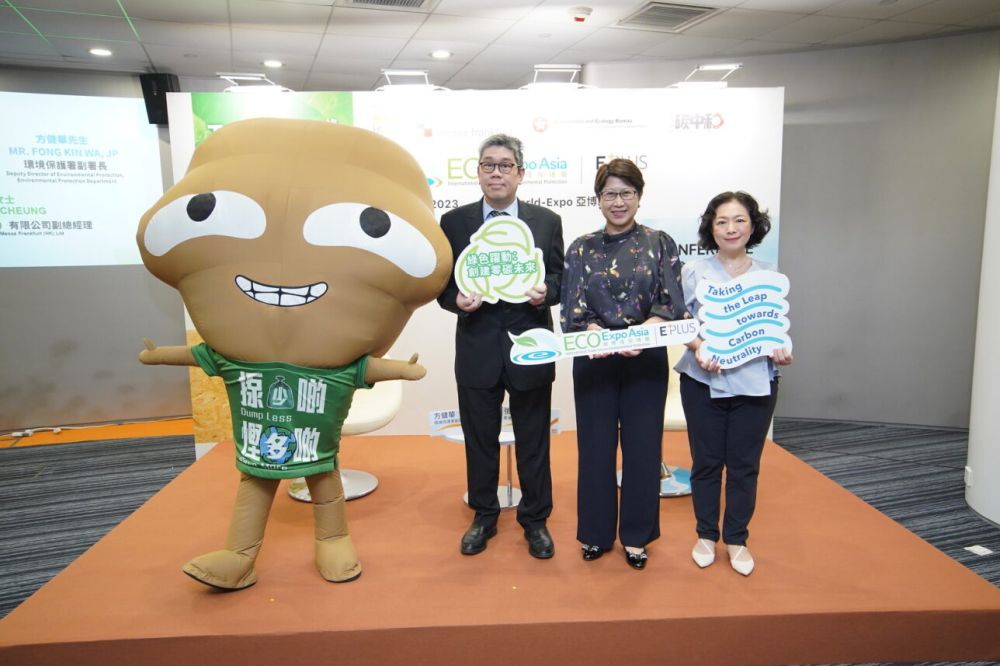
[744, 318]
[500, 262]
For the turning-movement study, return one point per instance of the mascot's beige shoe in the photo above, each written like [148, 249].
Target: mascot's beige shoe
[232, 568]
[336, 558]
[223, 569]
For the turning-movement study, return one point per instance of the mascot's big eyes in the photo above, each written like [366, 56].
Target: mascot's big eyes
[219, 213]
[377, 231]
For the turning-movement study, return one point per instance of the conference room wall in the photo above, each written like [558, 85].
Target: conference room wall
[885, 169]
[885, 166]
[70, 336]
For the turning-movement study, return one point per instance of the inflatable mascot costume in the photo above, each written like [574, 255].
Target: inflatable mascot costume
[301, 249]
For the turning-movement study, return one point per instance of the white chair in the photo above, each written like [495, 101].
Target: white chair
[371, 409]
[674, 481]
[673, 414]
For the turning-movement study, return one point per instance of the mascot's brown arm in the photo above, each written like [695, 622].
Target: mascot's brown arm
[380, 369]
[153, 355]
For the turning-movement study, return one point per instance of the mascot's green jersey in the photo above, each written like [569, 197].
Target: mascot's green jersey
[286, 418]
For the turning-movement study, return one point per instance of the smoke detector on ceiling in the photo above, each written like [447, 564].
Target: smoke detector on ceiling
[580, 14]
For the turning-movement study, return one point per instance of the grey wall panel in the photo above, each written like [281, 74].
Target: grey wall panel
[69, 337]
[885, 163]
[69, 344]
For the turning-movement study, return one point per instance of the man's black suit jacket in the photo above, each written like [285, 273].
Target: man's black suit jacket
[482, 346]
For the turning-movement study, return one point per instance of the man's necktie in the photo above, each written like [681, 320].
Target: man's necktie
[497, 213]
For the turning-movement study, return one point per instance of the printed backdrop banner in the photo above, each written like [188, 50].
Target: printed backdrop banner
[690, 144]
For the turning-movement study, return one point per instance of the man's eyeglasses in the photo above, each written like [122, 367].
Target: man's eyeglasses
[505, 167]
[626, 195]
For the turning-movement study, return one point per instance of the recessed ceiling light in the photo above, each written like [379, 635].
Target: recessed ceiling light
[104, 53]
[273, 64]
[441, 54]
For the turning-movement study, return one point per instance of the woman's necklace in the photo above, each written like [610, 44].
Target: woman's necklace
[736, 267]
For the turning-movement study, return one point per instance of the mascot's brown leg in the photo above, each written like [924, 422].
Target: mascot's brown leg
[336, 558]
[232, 568]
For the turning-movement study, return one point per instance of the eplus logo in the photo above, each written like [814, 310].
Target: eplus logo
[638, 160]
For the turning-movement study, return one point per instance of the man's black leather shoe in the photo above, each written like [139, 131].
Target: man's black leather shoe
[474, 539]
[540, 543]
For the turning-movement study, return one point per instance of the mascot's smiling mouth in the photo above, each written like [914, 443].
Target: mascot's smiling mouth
[286, 297]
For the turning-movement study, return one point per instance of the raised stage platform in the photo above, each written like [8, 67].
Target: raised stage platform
[836, 581]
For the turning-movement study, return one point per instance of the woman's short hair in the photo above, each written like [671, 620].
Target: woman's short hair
[759, 219]
[619, 168]
[513, 144]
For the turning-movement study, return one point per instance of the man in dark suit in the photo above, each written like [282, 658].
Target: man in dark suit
[483, 369]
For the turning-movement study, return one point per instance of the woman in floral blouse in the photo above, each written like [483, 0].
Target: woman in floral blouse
[623, 275]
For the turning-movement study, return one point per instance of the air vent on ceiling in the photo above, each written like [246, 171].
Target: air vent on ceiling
[386, 4]
[667, 16]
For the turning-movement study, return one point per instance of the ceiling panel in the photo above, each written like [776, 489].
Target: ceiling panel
[80, 25]
[108, 7]
[803, 6]
[351, 47]
[741, 24]
[190, 60]
[757, 47]
[985, 21]
[123, 51]
[269, 15]
[374, 23]
[691, 46]
[873, 10]
[815, 29]
[26, 45]
[494, 44]
[621, 41]
[254, 61]
[191, 11]
[880, 32]
[560, 35]
[11, 22]
[950, 11]
[195, 35]
[503, 56]
[470, 29]
[418, 50]
[245, 39]
[510, 11]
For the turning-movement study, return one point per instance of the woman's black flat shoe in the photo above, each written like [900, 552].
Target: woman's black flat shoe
[591, 553]
[636, 560]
